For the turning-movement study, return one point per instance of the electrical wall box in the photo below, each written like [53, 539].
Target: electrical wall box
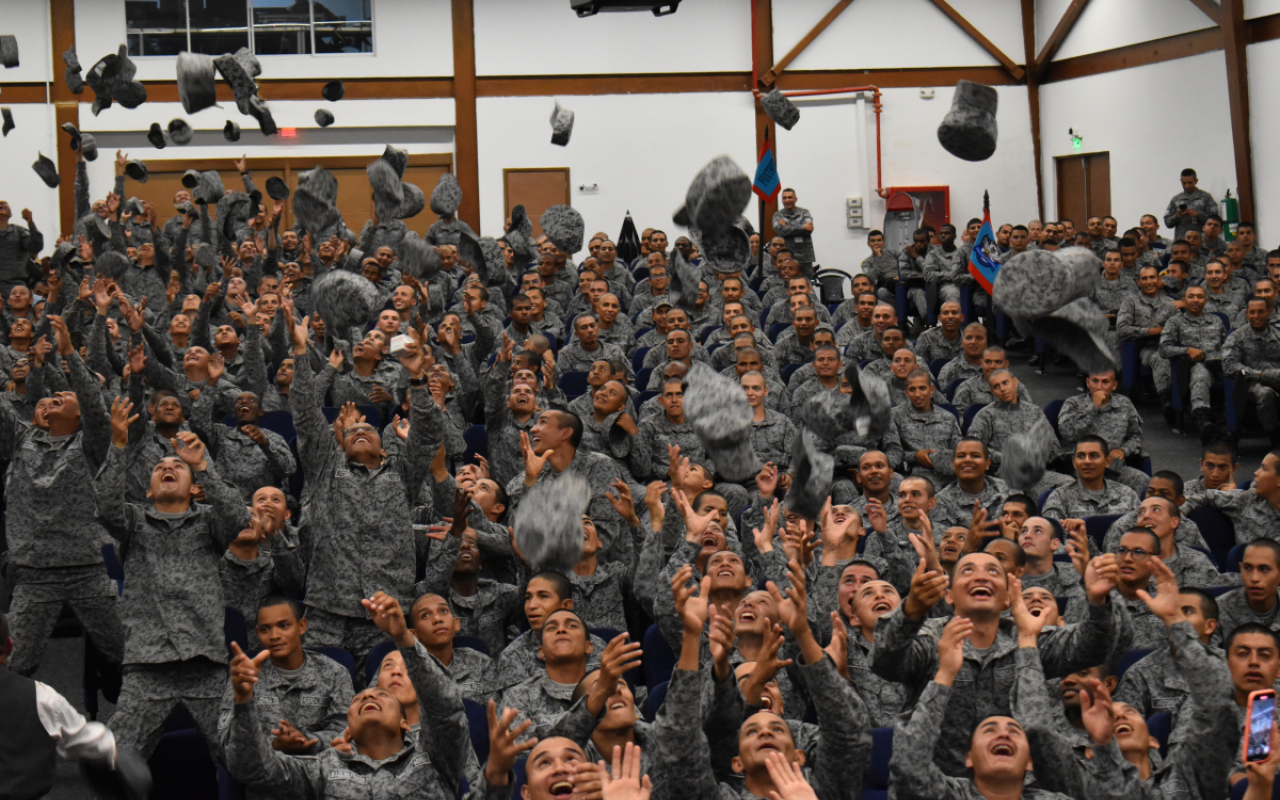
[853, 212]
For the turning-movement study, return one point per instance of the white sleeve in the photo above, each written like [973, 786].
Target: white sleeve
[76, 737]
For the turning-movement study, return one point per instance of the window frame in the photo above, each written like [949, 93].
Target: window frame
[253, 45]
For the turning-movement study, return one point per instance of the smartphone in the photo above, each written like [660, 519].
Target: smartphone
[1182, 206]
[1259, 721]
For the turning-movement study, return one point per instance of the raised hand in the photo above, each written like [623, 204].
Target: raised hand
[927, 588]
[793, 604]
[389, 617]
[1100, 577]
[980, 530]
[876, 516]
[838, 648]
[767, 480]
[625, 781]
[622, 502]
[695, 524]
[533, 463]
[504, 749]
[122, 417]
[951, 649]
[1095, 711]
[721, 640]
[191, 450]
[244, 672]
[336, 358]
[291, 740]
[61, 335]
[1077, 544]
[692, 608]
[788, 777]
[1164, 603]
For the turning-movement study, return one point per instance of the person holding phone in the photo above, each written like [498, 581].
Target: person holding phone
[1189, 208]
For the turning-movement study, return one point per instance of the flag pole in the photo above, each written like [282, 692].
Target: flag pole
[760, 205]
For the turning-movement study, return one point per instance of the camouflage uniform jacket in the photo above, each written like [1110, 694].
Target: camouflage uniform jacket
[172, 608]
[649, 459]
[1186, 535]
[906, 650]
[488, 613]
[502, 428]
[277, 570]
[1117, 422]
[773, 439]
[1252, 516]
[1194, 568]
[955, 505]
[597, 598]
[1249, 353]
[1200, 200]
[911, 430]
[999, 420]
[841, 757]
[1073, 501]
[1139, 313]
[1184, 331]
[51, 520]
[921, 740]
[314, 699]
[933, 344]
[976, 391]
[359, 518]
[428, 767]
[958, 368]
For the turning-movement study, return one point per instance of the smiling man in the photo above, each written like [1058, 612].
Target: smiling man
[383, 758]
[302, 697]
[906, 650]
[251, 457]
[969, 463]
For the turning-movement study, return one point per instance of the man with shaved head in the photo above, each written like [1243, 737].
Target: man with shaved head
[907, 649]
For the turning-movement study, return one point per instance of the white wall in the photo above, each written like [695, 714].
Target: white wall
[29, 23]
[1148, 147]
[544, 37]
[1107, 24]
[32, 134]
[410, 37]
[819, 158]
[1264, 61]
[1260, 8]
[639, 167]
[894, 33]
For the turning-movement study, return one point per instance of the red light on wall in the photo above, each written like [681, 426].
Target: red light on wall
[288, 133]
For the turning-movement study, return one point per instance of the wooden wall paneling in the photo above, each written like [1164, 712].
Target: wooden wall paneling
[537, 189]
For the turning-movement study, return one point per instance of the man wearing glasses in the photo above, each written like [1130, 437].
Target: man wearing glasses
[1191, 567]
[1130, 570]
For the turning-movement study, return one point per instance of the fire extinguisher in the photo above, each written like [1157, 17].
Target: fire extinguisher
[1230, 216]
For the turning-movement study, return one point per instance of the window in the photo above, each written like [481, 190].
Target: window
[266, 27]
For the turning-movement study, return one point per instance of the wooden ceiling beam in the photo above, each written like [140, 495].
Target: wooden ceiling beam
[983, 42]
[771, 76]
[1058, 36]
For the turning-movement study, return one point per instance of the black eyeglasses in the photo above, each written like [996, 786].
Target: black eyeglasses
[1137, 552]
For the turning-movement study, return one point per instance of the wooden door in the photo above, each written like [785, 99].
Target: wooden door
[1084, 187]
[355, 200]
[535, 189]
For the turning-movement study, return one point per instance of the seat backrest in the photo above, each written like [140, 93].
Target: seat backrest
[654, 701]
[659, 659]
[951, 388]
[478, 722]
[573, 384]
[234, 629]
[1051, 411]
[1159, 725]
[337, 654]
[1098, 526]
[1130, 658]
[936, 365]
[477, 439]
[472, 642]
[877, 776]
[776, 329]
[1218, 530]
[969, 414]
[1234, 557]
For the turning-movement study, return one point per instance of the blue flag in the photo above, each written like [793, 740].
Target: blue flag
[983, 265]
[767, 184]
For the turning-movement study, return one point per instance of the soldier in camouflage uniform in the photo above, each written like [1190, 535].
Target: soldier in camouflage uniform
[913, 650]
[1188, 209]
[946, 341]
[968, 364]
[946, 266]
[1190, 566]
[976, 391]
[255, 568]
[1039, 539]
[922, 437]
[1121, 738]
[434, 624]
[1251, 355]
[837, 761]
[1255, 512]
[1196, 336]
[772, 434]
[1154, 683]
[891, 542]
[55, 543]
[546, 697]
[649, 457]
[969, 463]
[795, 225]
[1141, 319]
[1092, 494]
[1104, 413]
[301, 697]
[379, 763]
[172, 607]
[1256, 601]
[866, 345]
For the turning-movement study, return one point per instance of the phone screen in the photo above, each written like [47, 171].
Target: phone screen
[1261, 720]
